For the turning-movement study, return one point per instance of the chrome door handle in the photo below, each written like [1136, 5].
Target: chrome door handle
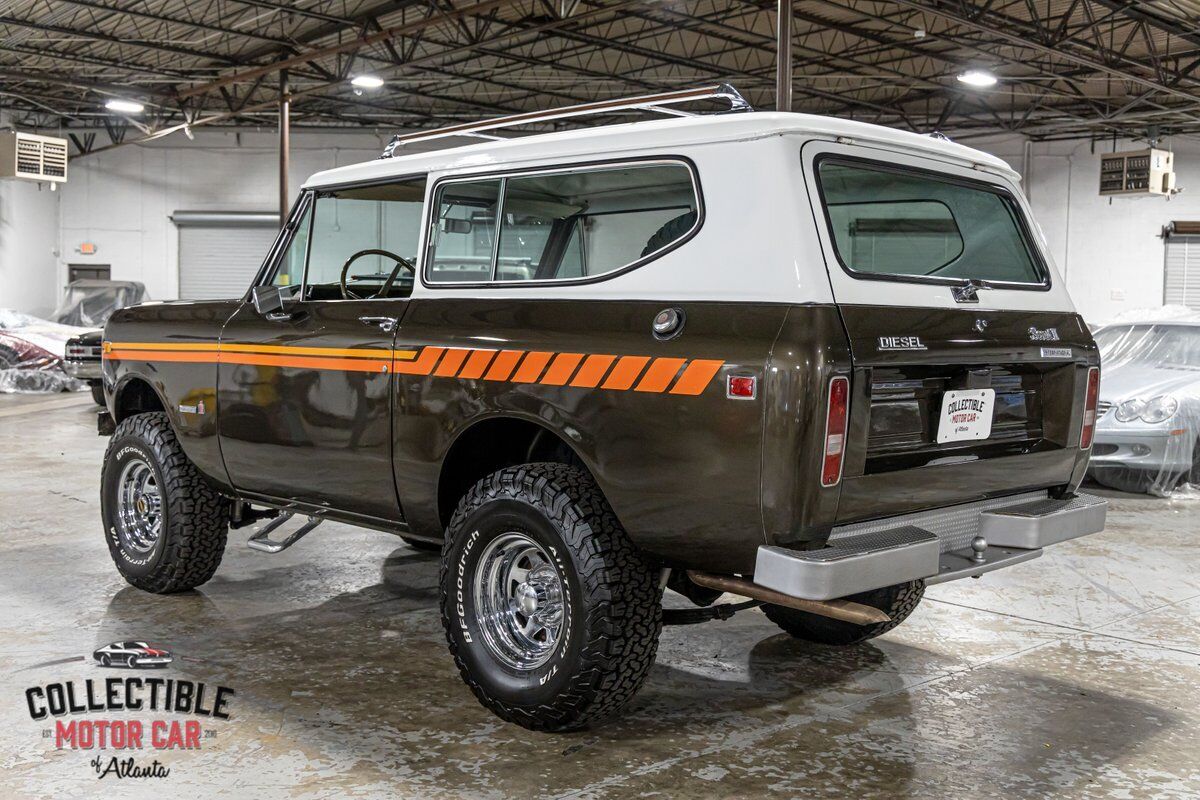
[385, 324]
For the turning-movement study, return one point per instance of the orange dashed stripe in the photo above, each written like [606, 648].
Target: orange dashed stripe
[696, 376]
[503, 366]
[476, 364]
[592, 371]
[423, 365]
[641, 373]
[625, 372]
[531, 368]
[660, 375]
[561, 368]
[450, 365]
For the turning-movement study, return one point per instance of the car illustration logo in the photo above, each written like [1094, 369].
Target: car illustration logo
[132, 655]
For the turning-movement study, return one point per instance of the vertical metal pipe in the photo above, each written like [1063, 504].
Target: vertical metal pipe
[285, 111]
[783, 56]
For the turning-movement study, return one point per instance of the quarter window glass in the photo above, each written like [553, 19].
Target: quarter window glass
[906, 224]
[562, 225]
[290, 271]
[464, 232]
[347, 221]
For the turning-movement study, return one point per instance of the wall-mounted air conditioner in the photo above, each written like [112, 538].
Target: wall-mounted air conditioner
[33, 158]
[1140, 172]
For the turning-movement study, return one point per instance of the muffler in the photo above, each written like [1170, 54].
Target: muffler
[843, 610]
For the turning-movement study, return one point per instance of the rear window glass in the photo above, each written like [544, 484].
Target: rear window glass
[914, 225]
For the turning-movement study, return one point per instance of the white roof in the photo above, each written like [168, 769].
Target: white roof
[668, 134]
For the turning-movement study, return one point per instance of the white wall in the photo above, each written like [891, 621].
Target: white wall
[28, 247]
[1109, 248]
[121, 200]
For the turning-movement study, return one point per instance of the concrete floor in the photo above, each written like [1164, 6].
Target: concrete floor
[1076, 675]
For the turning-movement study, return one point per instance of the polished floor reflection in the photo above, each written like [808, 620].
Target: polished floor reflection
[1074, 675]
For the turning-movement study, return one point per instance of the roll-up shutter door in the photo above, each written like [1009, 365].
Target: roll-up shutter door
[219, 253]
[1181, 273]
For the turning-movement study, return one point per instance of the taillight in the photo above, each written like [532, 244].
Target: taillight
[1089, 409]
[835, 430]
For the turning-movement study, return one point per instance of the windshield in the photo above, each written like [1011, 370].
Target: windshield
[1170, 346]
[917, 225]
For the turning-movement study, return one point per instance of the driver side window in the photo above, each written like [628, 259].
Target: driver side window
[347, 221]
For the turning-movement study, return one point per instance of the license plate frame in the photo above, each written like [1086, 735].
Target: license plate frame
[966, 415]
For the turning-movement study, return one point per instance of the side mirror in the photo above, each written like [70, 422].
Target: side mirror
[267, 299]
[456, 226]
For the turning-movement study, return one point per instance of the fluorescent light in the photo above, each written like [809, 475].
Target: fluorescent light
[367, 81]
[979, 78]
[125, 106]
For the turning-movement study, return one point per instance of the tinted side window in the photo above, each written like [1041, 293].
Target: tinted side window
[561, 225]
[913, 224]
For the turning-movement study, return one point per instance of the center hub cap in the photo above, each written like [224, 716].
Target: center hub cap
[527, 599]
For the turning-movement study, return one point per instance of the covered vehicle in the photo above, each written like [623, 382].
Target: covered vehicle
[89, 303]
[31, 353]
[1148, 432]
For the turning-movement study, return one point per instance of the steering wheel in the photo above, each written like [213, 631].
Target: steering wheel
[401, 261]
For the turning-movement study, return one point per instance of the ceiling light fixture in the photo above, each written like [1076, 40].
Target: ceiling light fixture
[367, 81]
[979, 78]
[125, 106]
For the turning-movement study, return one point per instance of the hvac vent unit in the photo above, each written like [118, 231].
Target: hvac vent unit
[1141, 172]
[32, 157]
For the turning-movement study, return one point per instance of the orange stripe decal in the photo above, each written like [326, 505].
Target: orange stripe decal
[592, 371]
[625, 372]
[423, 365]
[504, 364]
[619, 373]
[476, 364]
[560, 370]
[454, 359]
[531, 368]
[660, 375]
[696, 376]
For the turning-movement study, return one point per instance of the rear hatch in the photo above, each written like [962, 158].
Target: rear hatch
[970, 365]
[894, 460]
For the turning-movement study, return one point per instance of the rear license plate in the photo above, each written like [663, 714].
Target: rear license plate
[966, 415]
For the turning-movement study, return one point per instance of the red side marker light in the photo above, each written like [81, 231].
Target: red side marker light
[742, 387]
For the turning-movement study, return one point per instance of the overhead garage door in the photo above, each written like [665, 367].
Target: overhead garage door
[220, 252]
[1181, 273]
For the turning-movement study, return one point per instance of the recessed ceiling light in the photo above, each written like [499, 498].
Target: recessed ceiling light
[367, 81]
[979, 78]
[125, 106]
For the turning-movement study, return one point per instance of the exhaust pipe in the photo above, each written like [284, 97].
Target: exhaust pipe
[843, 610]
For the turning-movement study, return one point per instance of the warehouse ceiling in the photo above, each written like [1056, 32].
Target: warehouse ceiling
[1067, 68]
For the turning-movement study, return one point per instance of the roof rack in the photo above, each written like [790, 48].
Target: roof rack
[658, 103]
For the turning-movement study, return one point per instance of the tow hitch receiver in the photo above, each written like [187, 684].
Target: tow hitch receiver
[260, 540]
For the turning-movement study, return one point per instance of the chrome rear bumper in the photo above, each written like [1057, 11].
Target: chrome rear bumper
[940, 545]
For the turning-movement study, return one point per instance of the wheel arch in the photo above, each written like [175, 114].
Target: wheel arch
[493, 443]
[134, 394]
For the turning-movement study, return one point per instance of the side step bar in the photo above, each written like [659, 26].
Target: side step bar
[260, 540]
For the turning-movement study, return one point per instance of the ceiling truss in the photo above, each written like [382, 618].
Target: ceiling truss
[1068, 68]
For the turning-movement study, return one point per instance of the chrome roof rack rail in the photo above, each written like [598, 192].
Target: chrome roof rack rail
[657, 103]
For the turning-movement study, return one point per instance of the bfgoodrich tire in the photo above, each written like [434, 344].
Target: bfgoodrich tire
[551, 613]
[897, 601]
[164, 524]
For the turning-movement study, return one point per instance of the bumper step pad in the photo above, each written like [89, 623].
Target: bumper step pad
[1004, 535]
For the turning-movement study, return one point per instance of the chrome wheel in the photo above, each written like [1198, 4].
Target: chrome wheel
[518, 602]
[139, 507]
